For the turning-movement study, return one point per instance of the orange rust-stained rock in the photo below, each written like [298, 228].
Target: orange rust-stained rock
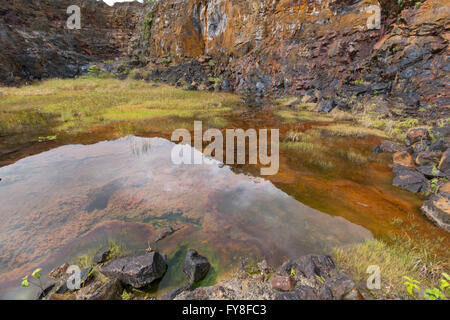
[403, 158]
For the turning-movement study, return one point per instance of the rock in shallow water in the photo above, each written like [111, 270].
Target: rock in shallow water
[410, 180]
[195, 266]
[403, 158]
[437, 208]
[389, 146]
[138, 271]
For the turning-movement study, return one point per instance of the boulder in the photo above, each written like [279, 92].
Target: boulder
[428, 158]
[326, 105]
[440, 145]
[283, 283]
[430, 171]
[389, 146]
[137, 271]
[420, 146]
[377, 149]
[175, 292]
[410, 180]
[403, 158]
[444, 164]
[310, 266]
[441, 132]
[445, 187]
[59, 272]
[102, 255]
[298, 293]
[437, 209]
[340, 288]
[415, 135]
[195, 266]
[84, 276]
[47, 289]
[99, 290]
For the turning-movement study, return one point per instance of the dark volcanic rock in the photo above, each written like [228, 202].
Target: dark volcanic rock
[310, 266]
[440, 145]
[138, 271]
[195, 266]
[430, 171]
[47, 289]
[437, 208]
[340, 288]
[416, 135]
[326, 105]
[441, 132]
[37, 44]
[298, 293]
[98, 290]
[410, 180]
[102, 255]
[444, 164]
[165, 233]
[175, 292]
[389, 146]
[428, 158]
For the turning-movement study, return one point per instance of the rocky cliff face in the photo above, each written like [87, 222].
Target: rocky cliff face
[295, 46]
[268, 47]
[36, 43]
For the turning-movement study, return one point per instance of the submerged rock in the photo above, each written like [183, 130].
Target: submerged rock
[195, 266]
[165, 233]
[430, 171]
[437, 208]
[137, 271]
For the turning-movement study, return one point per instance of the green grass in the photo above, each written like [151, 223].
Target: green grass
[79, 104]
[349, 130]
[353, 157]
[400, 258]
